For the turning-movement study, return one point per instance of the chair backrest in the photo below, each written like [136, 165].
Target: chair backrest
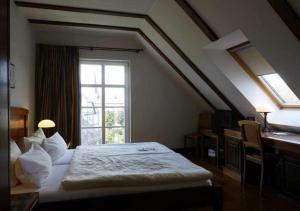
[251, 134]
[205, 120]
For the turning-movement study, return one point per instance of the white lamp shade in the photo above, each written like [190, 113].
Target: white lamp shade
[46, 123]
[263, 109]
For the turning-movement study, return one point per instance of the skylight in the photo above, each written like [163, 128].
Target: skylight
[280, 89]
[253, 62]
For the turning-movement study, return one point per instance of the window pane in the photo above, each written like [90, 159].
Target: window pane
[91, 136]
[115, 135]
[115, 74]
[280, 88]
[91, 117]
[90, 74]
[114, 97]
[114, 117]
[91, 96]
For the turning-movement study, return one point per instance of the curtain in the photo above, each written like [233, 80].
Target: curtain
[57, 90]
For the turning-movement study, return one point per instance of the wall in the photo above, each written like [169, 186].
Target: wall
[257, 22]
[22, 54]
[262, 26]
[163, 108]
[286, 119]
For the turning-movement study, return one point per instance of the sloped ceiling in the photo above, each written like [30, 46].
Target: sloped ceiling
[262, 26]
[144, 28]
[256, 19]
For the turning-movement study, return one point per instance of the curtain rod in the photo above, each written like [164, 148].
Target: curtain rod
[136, 50]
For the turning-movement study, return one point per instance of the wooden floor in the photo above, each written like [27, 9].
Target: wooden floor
[235, 198]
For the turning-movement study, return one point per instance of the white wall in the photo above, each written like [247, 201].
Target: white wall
[262, 26]
[163, 108]
[259, 24]
[22, 55]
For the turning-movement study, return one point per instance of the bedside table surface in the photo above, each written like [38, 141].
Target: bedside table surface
[24, 201]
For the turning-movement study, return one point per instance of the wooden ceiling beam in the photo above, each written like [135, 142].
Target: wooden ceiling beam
[157, 29]
[132, 29]
[205, 28]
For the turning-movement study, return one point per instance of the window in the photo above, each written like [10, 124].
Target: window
[280, 89]
[264, 74]
[104, 102]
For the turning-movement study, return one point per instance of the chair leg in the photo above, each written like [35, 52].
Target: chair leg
[202, 147]
[261, 179]
[244, 169]
[217, 152]
[184, 144]
[197, 148]
[244, 172]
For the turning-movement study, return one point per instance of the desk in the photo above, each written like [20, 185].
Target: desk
[288, 142]
[199, 138]
[288, 168]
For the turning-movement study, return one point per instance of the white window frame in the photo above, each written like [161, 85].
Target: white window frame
[127, 95]
[274, 92]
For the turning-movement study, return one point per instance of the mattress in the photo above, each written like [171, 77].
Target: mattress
[139, 165]
[53, 191]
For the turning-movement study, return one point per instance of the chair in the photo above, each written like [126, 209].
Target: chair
[251, 137]
[204, 125]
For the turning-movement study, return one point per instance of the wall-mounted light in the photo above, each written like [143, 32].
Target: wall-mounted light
[46, 123]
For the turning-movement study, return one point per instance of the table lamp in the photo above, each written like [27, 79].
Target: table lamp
[46, 123]
[265, 111]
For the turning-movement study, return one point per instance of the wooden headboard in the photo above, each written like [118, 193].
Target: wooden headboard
[18, 123]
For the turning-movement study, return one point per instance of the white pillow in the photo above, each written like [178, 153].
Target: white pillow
[15, 152]
[33, 167]
[39, 133]
[65, 159]
[37, 137]
[55, 146]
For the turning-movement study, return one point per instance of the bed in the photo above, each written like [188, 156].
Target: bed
[139, 192]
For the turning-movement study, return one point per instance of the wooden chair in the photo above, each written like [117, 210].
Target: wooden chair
[251, 137]
[204, 128]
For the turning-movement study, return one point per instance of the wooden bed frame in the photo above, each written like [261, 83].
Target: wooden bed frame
[18, 123]
[178, 199]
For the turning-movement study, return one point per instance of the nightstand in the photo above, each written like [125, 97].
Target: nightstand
[24, 201]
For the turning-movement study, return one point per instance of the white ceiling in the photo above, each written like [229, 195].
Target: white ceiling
[134, 6]
[145, 27]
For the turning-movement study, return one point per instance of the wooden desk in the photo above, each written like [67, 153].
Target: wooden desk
[216, 138]
[287, 142]
[288, 148]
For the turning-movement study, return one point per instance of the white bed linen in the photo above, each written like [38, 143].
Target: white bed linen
[65, 159]
[128, 149]
[53, 191]
[137, 165]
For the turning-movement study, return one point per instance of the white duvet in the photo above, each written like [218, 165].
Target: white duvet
[129, 165]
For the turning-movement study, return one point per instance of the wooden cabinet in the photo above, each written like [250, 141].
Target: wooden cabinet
[288, 178]
[233, 154]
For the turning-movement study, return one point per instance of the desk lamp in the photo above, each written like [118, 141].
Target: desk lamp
[264, 110]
